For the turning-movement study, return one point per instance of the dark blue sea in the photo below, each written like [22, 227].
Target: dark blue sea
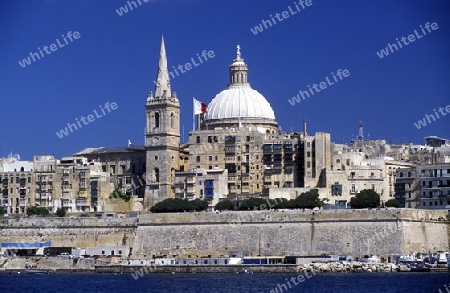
[212, 282]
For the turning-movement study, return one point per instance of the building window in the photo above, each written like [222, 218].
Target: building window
[198, 159]
[210, 139]
[353, 190]
[156, 174]
[216, 158]
[210, 158]
[308, 164]
[157, 119]
[198, 139]
[308, 154]
[172, 121]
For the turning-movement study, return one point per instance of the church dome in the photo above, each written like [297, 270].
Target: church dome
[239, 103]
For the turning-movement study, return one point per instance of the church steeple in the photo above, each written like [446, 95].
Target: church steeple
[162, 87]
[238, 70]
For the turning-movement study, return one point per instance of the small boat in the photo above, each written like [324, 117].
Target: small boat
[246, 272]
[419, 267]
[36, 272]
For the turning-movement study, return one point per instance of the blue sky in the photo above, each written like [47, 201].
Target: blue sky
[115, 60]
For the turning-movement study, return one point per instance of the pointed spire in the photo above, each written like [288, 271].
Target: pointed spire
[162, 88]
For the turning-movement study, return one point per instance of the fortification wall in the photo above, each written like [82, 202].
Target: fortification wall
[356, 232]
[70, 232]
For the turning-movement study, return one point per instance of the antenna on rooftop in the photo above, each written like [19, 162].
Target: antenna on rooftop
[361, 133]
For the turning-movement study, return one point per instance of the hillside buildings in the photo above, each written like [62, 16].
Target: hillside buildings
[236, 151]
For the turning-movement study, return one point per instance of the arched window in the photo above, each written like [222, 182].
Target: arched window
[157, 119]
[172, 121]
[156, 174]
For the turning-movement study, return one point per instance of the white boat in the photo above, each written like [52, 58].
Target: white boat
[371, 259]
[406, 258]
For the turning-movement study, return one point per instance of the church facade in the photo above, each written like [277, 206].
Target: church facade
[238, 134]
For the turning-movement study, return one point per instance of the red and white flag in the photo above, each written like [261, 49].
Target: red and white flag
[199, 107]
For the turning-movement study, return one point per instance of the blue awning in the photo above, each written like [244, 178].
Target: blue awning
[26, 245]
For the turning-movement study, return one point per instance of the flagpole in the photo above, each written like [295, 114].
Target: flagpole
[193, 114]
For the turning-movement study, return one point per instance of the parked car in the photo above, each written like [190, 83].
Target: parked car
[66, 255]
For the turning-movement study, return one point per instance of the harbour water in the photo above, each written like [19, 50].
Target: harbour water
[213, 282]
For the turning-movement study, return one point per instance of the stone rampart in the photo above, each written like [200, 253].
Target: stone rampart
[70, 232]
[383, 232]
[357, 232]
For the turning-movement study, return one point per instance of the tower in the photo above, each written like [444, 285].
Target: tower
[162, 136]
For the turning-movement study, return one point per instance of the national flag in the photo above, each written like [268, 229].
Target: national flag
[130, 143]
[199, 107]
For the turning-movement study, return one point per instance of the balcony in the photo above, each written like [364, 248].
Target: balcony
[267, 149]
[277, 148]
[230, 150]
[288, 169]
[82, 202]
[179, 190]
[362, 177]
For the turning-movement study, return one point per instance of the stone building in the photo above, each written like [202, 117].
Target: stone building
[239, 133]
[45, 180]
[424, 186]
[363, 165]
[81, 186]
[126, 166]
[201, 183]
[16, 179]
